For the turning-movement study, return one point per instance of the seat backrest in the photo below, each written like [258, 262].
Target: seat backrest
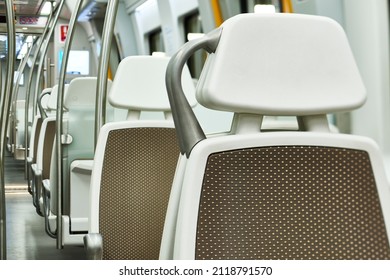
[45, 99]
[78, 130]
[134, 164]
[36, 127]
[80, 103]
[51, 103]
[307, 194]
[45, 145]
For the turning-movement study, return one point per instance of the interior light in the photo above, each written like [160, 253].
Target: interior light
[265, 9]
[46, 9]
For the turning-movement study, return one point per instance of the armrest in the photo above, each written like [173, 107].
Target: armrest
[82, 167]
[93, 244]
[34, 168]
[46, 185]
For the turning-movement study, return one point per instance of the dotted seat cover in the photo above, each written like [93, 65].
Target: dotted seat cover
[290, 202]
[137, 175]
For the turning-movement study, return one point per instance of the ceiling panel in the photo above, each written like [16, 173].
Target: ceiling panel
[24, 7]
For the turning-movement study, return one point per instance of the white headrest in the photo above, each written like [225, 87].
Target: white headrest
[139, 84]
[52, 102]
[281, 64]
[82, 92]
[45, 99]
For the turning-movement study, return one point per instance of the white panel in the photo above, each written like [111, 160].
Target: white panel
[147, 19]
[80, 178]
[366, 24]
[124, 32]
[171, 12]
[183, 7]
[148, 16]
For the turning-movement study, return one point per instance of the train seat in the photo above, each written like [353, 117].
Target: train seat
[51, 103]
[18, 137]
[41, 143]
[134, 164]
[306, 194]
[78, 145]
[34, 134]
[45, 96]
[43, 101]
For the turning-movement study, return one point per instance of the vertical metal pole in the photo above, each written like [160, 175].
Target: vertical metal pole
[15, 93]
[48, 73]
[101, 94]
[6, 103]
[21, 69]
[59, 118]
[29, 92]
[41, 62]
[47, 33]
[3, 238]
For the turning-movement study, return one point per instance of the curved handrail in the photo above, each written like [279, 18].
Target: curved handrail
[15, 91]
[6, 104]
[40, 107]
[59, 117]
[47, 32]
[101, 91]
[188, 129]
[42, 57]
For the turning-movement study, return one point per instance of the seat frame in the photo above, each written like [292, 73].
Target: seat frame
[187, 206]
[288, 70]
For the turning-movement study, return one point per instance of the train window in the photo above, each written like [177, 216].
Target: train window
[78, 62]
[22, 45]
[156, 43]
[193, 24]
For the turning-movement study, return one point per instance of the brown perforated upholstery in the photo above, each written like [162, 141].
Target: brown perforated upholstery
[48, 147]
[36, 139]
[290, 203]
[138, 170]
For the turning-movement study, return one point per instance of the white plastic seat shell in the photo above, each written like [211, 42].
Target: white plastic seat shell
[156, 99]
[187, 214]
[277, 65]
[138, 86]
[296, 60]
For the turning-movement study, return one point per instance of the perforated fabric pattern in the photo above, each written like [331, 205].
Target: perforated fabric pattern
[137, 175]
[49, 141]
[36, 139]
[290, 203]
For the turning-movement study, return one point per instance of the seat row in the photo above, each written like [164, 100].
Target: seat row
[167, 188]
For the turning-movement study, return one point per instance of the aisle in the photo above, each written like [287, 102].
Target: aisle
[26, 236]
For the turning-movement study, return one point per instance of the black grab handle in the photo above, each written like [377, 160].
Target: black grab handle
[188, 129]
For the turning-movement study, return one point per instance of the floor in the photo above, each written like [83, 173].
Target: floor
[26, 236]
